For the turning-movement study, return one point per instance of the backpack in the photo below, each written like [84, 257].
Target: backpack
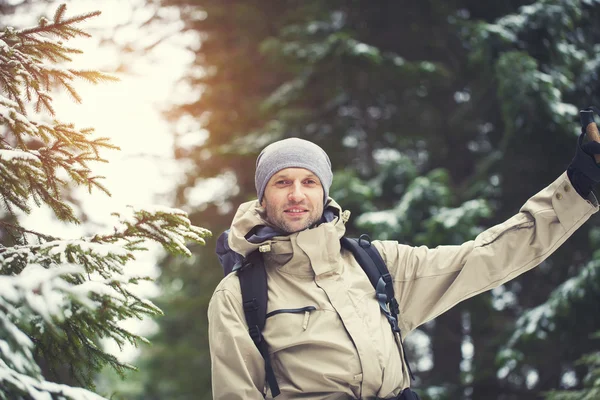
[253, 282]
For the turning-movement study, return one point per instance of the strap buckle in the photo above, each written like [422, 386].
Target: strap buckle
[250, 305]
[394, 306]
[245, 264]
[387, 278]
[255, 334]
[364, 241]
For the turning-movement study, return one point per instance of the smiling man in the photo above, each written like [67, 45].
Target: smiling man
[293, 200]
[292, 181]
[326, 336]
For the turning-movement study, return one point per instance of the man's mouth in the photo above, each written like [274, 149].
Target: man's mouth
[295, 211]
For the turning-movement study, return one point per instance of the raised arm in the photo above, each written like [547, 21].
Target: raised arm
[430, 281]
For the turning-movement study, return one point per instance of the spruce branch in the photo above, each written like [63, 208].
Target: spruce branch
[59, 13]
[22, 230]
[85, 278]
[94, 76]
[24, 51]
[58, 25]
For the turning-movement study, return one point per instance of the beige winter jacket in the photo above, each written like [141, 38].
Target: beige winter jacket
[344, 347]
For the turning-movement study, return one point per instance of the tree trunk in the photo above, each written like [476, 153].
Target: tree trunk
[446, 341]
[487, 325]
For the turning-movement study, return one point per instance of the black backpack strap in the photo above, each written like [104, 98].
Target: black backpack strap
[371, 262]
[253, 282]
[408, 394]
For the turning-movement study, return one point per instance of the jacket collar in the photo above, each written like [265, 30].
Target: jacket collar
[310, 252]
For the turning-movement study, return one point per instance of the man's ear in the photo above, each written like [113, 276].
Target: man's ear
[262, 203]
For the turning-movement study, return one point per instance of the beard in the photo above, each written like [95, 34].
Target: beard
[277, 217]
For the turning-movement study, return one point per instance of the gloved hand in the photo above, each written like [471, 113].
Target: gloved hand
[583, 171]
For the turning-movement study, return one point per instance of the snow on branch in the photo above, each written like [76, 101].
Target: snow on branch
[540, 322]
[68, 286]
[59, 298]
[36, 293]
[168, 226]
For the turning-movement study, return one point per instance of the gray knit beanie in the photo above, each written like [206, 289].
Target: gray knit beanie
[292, 153]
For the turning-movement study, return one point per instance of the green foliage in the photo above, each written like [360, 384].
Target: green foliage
[59, 297]
[424, 215]
[358, 195]
[33, 151]
[440, 118]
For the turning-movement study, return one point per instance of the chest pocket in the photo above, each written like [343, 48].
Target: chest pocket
[313, 333]
[304, 311]
[285, 326]
[310, 349]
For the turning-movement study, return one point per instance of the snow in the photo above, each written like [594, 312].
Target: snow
[41, 294]
[502, 31]
[398, 61]
[16, 358]
[150, 304]
[387, 217]
[363, 48]
[537, 317]
[99, 288]
[428, 66]
[11, 155]
[8, 102]
[101, 249]
[154, 209]
[43, 390]
[36, 291]
[177, 241]
[450, 217]
[59, 247]
[57, 69]
[564, 109]
[540, 320]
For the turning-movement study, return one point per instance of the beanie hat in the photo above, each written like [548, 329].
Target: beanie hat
[292, 153]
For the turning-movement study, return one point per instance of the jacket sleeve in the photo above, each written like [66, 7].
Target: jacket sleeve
[238, 370]
[428, 282]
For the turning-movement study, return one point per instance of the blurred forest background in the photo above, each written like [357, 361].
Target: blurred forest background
[440, 117]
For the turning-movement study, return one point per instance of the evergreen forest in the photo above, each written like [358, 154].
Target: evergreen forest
[441, 118]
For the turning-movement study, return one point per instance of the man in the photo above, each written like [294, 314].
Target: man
[326, 335]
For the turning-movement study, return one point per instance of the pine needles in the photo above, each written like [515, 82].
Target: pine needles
[59, 297]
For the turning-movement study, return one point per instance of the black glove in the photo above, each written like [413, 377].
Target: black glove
[583, 171]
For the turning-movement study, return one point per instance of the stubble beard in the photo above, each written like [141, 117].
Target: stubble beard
[276, 218]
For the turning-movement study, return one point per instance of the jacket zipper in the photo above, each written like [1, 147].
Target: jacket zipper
[306, 310]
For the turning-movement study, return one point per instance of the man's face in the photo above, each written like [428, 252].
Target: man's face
[293, 199]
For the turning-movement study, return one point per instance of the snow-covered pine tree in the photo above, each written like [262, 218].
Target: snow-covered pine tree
[572, 304]
[58, 297]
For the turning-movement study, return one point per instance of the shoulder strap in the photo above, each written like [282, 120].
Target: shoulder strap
[377, 271]
[253, 282]
[371, 262]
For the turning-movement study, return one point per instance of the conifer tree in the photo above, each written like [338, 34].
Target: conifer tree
[57, 296]
[480, 97]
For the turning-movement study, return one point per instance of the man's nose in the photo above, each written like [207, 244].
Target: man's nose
[296, 193]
